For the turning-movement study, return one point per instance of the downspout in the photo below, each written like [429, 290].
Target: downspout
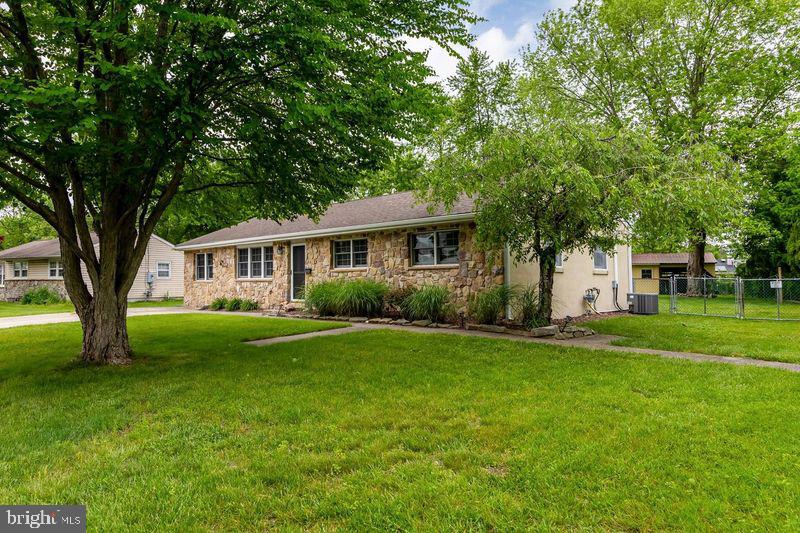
[507, 274]
[630, 269]
[615, 282]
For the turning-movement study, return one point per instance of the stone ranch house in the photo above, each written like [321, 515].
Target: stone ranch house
[387, 238]
[39, 263]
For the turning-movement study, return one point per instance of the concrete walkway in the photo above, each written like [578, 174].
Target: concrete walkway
[59, 318]
[594, 342]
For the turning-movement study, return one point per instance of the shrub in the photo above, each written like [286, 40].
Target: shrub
[218, 304]
[431, 302]
[360, 297]
[527, 308]
[41, 296]
[248, 305]
[321, 297]
[349, 298]
[488, 306]
[395, 298]
[234, 304]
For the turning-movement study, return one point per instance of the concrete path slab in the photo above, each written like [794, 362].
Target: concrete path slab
[594, 342]
[59, 318]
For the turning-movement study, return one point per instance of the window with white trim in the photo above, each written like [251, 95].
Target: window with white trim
[163, 270]
[2, 273]
[204, 266]
[600, 259]
[56, 269]
[351, 253]
[20, 269]
[435, 248]
[255, 263]
[559, 261]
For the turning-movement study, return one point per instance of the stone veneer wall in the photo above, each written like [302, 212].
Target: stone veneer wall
[388, 260]
[15, 288]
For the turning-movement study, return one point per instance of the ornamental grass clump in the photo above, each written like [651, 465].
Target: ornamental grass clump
[218, 304]
[360, 298]
[248, 305]
[431, 302]
[489, 306]
[526, 305]
[320, 297]
[234, 304]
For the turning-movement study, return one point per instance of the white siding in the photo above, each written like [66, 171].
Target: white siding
[158, 250]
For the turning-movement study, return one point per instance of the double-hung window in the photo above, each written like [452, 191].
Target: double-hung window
[600, 259]
[204, 266]
[20, 269]
[351, 253]
[435, 248]
[56, 269]
[255, 263]
[163, 270]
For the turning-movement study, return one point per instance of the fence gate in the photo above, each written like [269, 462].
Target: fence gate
[761, 299]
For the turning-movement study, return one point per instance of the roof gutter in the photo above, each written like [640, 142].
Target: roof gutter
[331, 231]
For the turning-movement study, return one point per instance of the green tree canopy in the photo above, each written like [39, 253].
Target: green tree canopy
[703, 76]
[544, 182]
[106, 108]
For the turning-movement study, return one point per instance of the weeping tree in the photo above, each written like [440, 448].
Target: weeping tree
[108, 107]
[544, 182]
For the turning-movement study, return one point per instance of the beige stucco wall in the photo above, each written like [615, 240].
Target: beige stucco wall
[575, 277]
[388, 260]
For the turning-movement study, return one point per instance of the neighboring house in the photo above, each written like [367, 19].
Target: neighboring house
[726, 267]
[39, 263]
[662, 266]
[387, 238]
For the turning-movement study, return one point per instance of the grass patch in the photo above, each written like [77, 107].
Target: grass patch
[8, 309]
[391, 430]
[773, 341]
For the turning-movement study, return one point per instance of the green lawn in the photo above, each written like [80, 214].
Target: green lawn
[726, 306]
[760, 339]
[17, 309]
[391, 430]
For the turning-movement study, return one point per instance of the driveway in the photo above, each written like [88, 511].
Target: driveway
[57, 318]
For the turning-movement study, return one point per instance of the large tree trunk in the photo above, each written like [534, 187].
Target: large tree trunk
[547, 268]
[696, 267]
[105, 332]
[103, 310]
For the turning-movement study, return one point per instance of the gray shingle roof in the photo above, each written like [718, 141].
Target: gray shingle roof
[681, 258]
[33, 250]
[45, 249]
[388, 209]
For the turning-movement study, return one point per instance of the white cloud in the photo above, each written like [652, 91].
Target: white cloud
[561, 4]
[501, 47]
[482, 7]
[494, 41]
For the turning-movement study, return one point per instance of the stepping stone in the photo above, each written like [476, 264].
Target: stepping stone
[421, 323]
[490, 328]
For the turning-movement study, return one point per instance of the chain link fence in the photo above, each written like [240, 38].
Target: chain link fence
[764, 299]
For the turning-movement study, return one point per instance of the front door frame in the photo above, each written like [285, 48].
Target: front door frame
[291, 269]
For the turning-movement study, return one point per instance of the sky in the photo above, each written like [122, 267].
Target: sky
[509, 27]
